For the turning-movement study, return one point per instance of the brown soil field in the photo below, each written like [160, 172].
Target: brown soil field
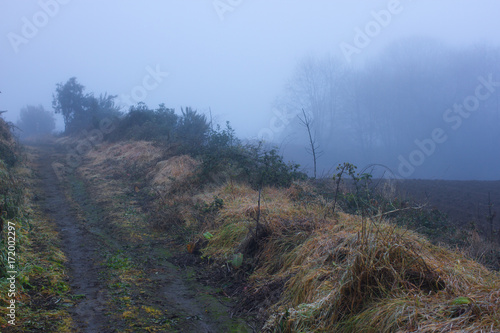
[464, 202]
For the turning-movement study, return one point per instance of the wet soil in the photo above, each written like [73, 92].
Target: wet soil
[466, 203]
[80, 249]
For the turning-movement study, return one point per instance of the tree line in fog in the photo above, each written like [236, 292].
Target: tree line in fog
[424, 109]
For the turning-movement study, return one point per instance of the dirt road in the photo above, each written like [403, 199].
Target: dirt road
[79, 247]
[122, 285]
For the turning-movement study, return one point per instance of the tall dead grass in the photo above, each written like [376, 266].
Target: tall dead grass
[350, 274]
[316, 272]
[165, 183]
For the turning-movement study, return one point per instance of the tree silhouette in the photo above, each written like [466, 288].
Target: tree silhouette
[35, 121]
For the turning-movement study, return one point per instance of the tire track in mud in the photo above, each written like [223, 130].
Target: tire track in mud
[79, 246]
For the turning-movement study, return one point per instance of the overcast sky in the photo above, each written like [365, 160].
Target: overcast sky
[232, 56]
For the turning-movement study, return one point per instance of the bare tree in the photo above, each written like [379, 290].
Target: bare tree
[307, 122]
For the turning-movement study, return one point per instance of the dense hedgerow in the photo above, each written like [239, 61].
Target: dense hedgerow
[189, 132]
[223, 155]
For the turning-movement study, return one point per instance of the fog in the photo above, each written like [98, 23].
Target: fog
[380, 79]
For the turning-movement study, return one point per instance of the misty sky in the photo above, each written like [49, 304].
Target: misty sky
[232, 56]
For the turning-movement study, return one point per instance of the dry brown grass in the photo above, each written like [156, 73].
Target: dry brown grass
[109, 169]
[335, 277]
[171, 181]
[117, 161]
[123, 154]
[177, 168]
[314, 272]
[485, 251]
[123, 168]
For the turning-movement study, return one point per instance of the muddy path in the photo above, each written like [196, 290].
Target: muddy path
[126, 278]
[79, 246]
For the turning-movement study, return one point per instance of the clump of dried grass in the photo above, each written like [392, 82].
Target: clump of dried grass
[141, 154]
[170, 181]
[240, 208]
[112, 162]
[170, 175]
[225, 242]
[390, 280]
[349, 274]
[485, 251]
[108, 165]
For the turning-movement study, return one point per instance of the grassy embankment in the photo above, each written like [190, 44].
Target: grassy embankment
[306, 268]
